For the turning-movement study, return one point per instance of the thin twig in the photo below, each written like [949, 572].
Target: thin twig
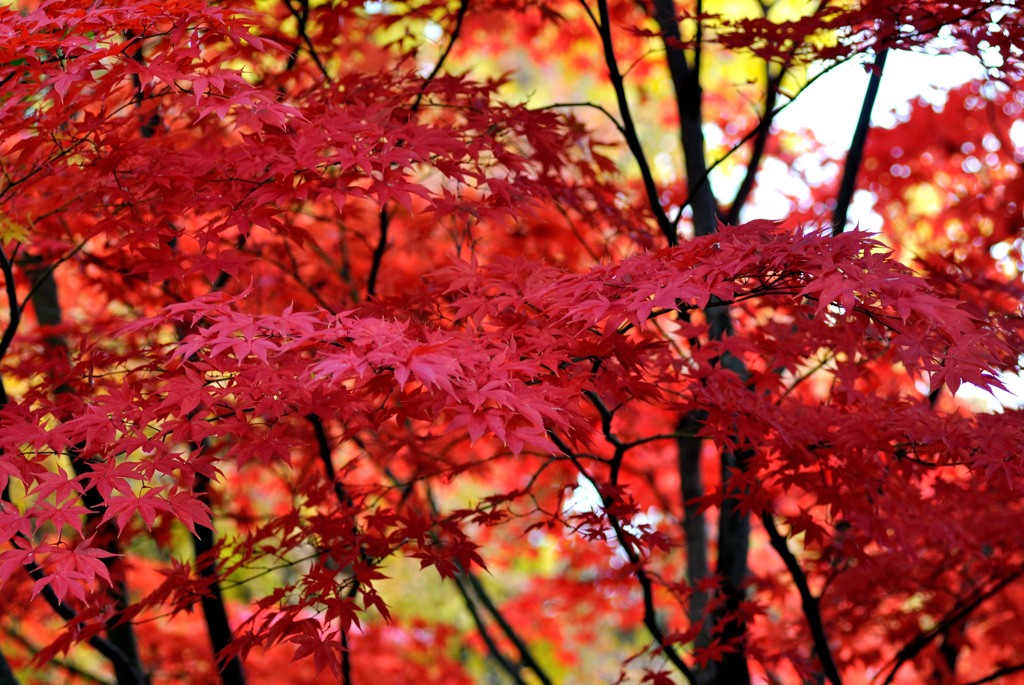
[997, 674]
[526, 657]
[593, 105]
[459, 18]
[301, 18]
[603, 25]
[914, 647]
[646, 586]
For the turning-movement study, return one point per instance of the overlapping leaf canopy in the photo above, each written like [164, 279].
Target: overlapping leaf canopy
[281, 270]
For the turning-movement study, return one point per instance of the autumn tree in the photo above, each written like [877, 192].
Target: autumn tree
[450, 342]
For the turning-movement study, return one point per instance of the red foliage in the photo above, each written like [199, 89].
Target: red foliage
[296, 282]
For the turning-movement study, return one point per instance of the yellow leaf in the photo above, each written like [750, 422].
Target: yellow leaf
[12, 231]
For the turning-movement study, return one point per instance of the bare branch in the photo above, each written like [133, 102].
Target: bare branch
[344, 499]
[646, 586]
[302, 17]
[526, 658]
[997, 674]
[686, 82]
[764, 128]
[513, 669]
[378, 254]
[856, 154]
[524, 651]
[959, 613]
[214, 611]
[459, 18]
[603, 24]
[809, 603]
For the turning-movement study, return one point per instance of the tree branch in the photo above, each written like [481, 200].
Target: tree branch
[215, 615]
[764, 128]
[15, 313]
[629, 130]
[734, 524]
[513, 669]
[997, 674]
[344, 499]
[456, 31]
[378, 254]
[696, 185]
[860, 135]
[592, 105]
[46, 303]
[731, 567]
[55, 661]
[323, 446]
[217, 626]
[688, 447]
[809, 603]
[526, 657]
[915, 646]
[647, 588]
[128, 672]
[302, 18]
[689, 96]
[524, 651]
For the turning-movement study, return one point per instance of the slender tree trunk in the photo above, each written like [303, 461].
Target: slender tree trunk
[694, 525]
[734, 526]
[46, 303]
[214, 611]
